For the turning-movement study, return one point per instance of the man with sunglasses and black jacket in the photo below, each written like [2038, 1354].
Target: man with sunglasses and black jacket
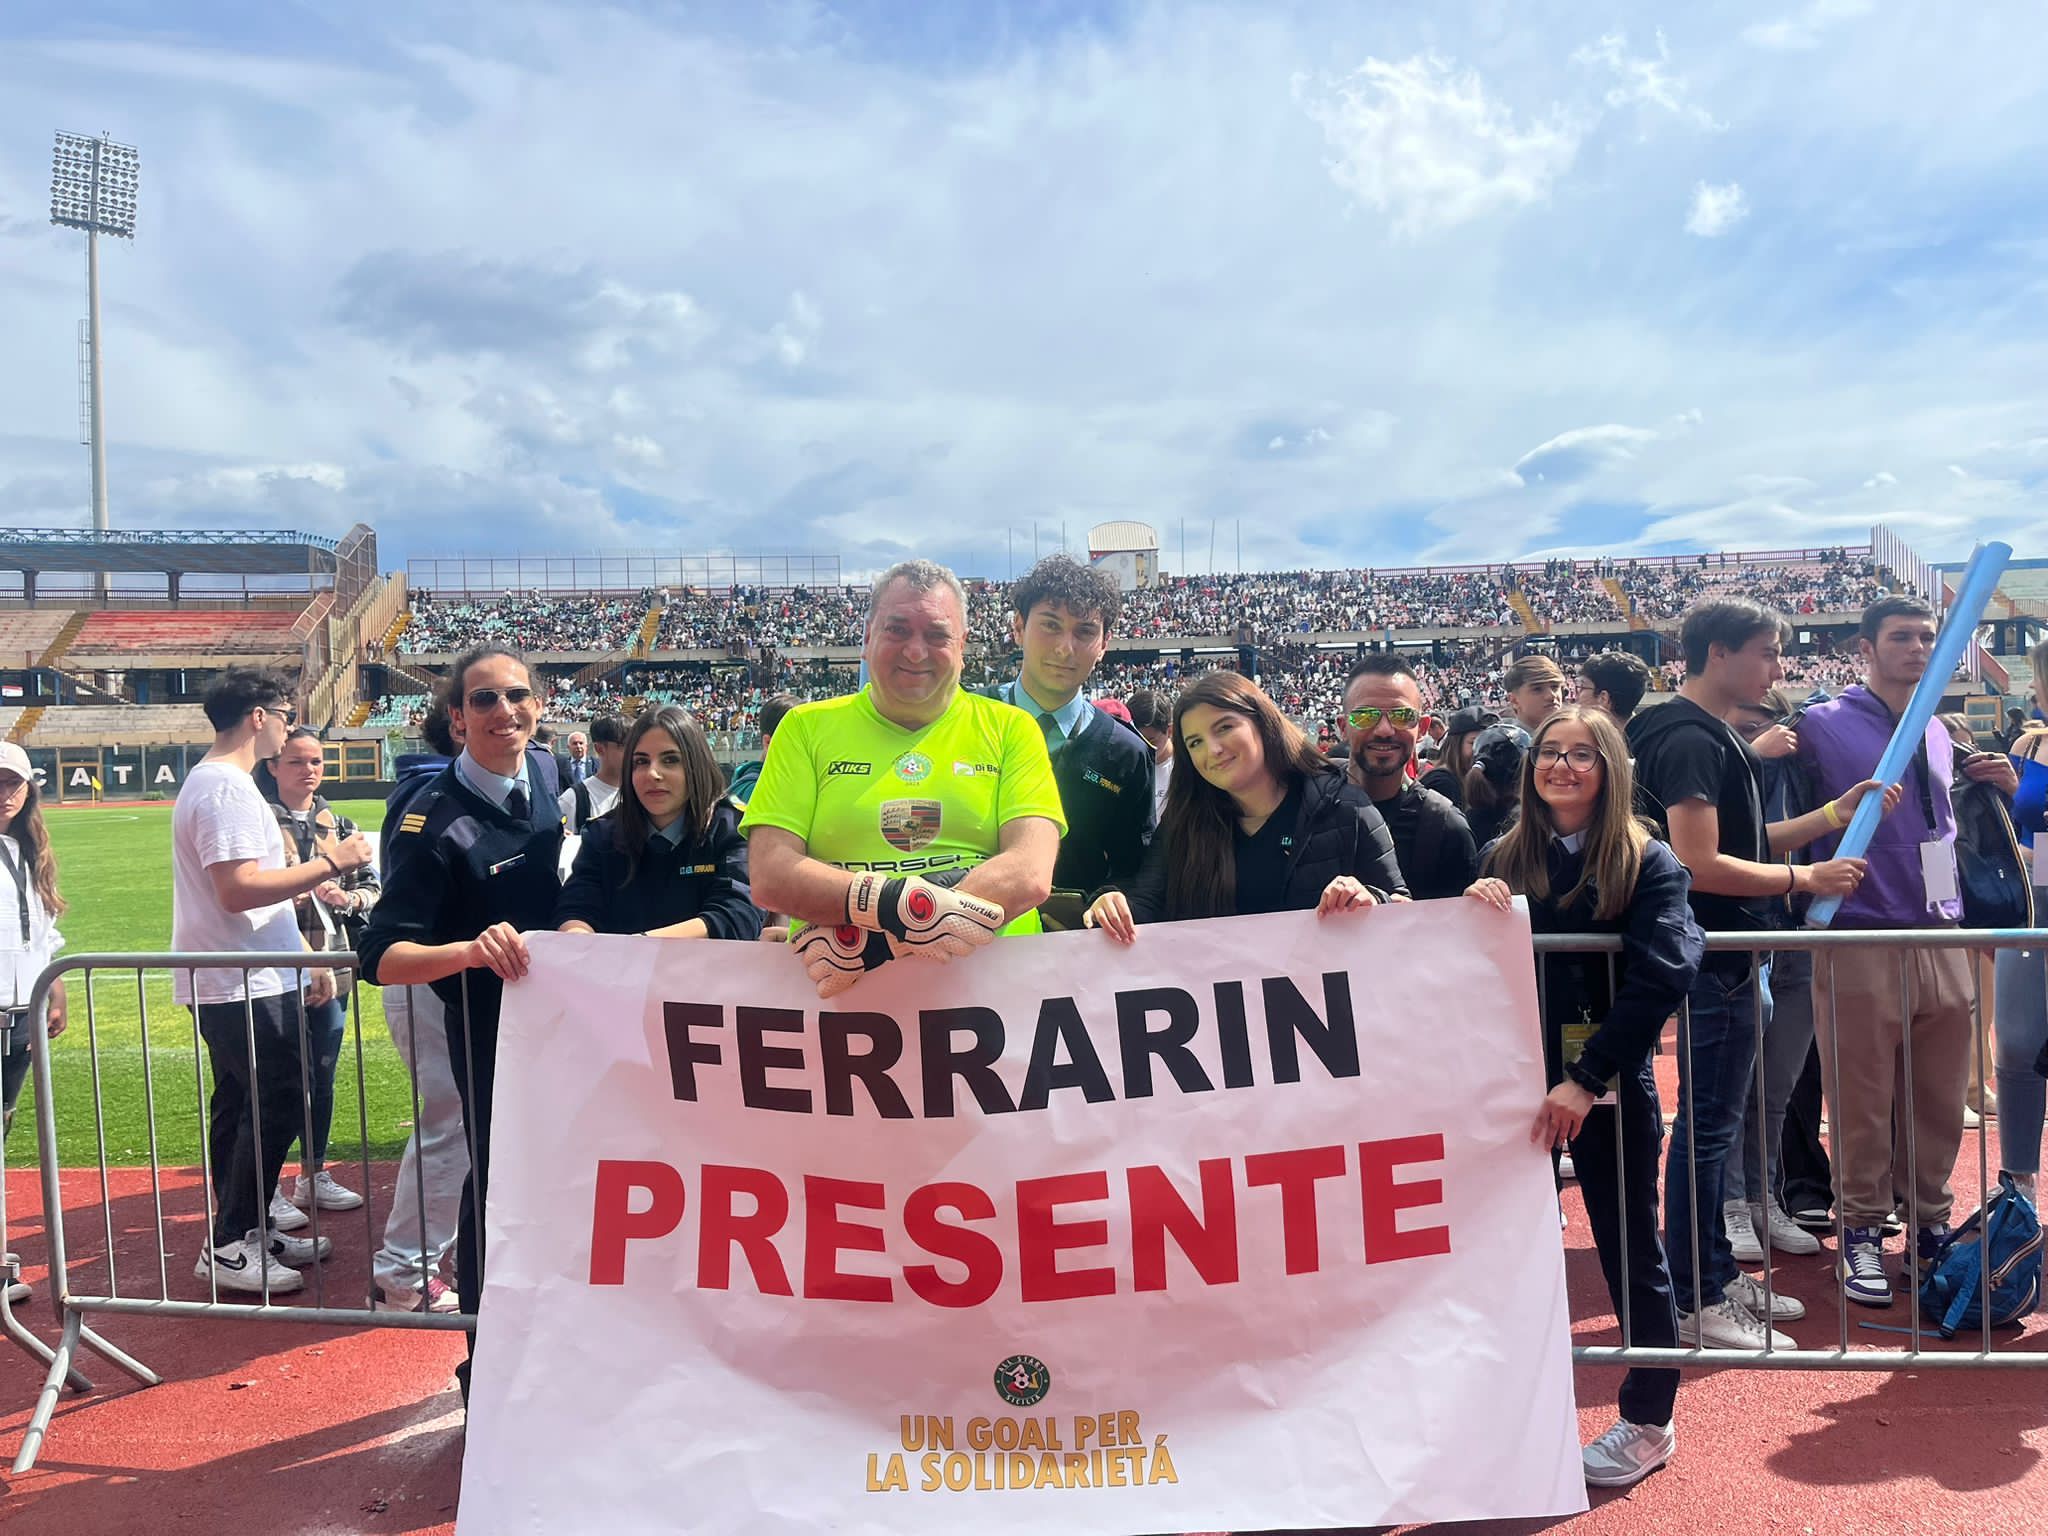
[1383, 718]
[473, 863]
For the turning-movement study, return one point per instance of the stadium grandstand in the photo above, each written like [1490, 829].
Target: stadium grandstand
[103, 690]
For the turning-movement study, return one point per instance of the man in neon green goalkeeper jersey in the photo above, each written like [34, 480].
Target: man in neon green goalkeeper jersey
[911, 819]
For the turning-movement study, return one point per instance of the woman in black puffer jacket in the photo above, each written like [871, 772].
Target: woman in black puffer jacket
[1255, 821]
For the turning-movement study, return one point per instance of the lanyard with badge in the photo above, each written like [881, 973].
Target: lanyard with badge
[1937, 856]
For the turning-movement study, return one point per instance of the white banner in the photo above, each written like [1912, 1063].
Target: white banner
[1239, 1228]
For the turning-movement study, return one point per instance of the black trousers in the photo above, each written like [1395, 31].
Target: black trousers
[248, 1147]
[473, 1057]
[1803, 1171]
[14, 1064]
[1618, 1178]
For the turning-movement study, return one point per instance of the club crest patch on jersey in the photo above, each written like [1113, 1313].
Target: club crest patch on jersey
[911, 824]
[913, 767]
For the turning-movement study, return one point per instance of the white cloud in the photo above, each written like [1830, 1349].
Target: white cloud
[1581, 452]
[1643, 80]
[1716, 209]
[1425, 143]
[1878, 481]
[1802, 29]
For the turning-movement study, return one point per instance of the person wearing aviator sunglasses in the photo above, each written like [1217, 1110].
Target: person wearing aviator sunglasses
[472, 865]
[1383, 720]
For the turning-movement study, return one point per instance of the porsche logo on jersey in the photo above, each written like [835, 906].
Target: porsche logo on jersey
[913, 767]
[910, 824]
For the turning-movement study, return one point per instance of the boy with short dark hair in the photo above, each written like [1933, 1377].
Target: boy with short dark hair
[1061, 615]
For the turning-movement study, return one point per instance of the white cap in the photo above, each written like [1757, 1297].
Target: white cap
[14, 760]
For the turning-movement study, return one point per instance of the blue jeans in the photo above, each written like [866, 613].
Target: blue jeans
[2022, 1029]
[326, 1028]
[1716, 1059]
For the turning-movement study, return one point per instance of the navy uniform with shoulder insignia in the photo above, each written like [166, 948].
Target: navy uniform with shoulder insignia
[461, 859]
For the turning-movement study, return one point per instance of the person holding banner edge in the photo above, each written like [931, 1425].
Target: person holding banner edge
[910, 818]
[473, 864]
[1587, 864]
[1262, 824]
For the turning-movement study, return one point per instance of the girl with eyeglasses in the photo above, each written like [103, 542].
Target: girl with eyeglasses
[1256, 821]
[667, 860]
[1588, 865]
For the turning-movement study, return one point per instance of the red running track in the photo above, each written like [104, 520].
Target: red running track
[298, 1431]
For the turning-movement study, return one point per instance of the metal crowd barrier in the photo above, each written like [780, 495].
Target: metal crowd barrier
[1824, 945]
[74, 1302]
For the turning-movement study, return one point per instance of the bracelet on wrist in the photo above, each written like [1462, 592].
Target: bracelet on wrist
[1833, 814]
[1792, 879]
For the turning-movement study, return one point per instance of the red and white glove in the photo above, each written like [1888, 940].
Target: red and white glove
[919, 917]
[838, 955]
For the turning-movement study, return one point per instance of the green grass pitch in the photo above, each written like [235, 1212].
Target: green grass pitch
[114, 867]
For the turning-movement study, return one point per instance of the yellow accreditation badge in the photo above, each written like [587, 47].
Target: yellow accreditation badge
[1576, 1034]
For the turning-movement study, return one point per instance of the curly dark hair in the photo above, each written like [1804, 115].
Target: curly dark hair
[1083, 590]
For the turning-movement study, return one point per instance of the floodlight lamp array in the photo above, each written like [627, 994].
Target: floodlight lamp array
[93, 185]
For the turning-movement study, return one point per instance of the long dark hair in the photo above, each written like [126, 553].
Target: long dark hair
[702, 781]
[1199, 822]
[38, 862]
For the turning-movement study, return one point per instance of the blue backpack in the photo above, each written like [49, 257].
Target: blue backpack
[1952, 1287]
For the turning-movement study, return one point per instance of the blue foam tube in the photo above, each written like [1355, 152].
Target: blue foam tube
[1987, 564]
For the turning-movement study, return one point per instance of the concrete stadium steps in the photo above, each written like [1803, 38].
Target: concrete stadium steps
[1526, 613]
[28, 636]
[1622, 605]
[360, 713]
[134, 638]
[86, 725]
[389, 641]
[11, 718]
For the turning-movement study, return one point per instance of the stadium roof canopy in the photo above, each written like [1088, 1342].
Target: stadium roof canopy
[1121, 538]
[240, 552]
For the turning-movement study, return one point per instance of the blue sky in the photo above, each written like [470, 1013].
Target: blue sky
[1381, 283]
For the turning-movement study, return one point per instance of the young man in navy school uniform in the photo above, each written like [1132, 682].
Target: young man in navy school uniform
[1061, 615]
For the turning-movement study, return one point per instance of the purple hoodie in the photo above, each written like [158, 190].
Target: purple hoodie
[1839, 745]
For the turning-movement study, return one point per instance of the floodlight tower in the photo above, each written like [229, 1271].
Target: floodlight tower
[92, 187]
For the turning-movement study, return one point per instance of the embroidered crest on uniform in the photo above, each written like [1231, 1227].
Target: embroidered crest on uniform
[910, 824]
[913, 767]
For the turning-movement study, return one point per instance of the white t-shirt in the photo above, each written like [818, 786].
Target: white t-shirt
[603, 797]
[23, 955]
[221, 819]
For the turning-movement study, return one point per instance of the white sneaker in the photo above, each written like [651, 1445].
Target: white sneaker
[1565, 1170]
[1749, 1291]
[1628, 1453]
[284, 1216]
[243, 1266]
[18, 1292]
[1728, 1324]
[330, 1195]
[1787, 1236]
[439, 1296]
[1741, 1234]
[301, 1250]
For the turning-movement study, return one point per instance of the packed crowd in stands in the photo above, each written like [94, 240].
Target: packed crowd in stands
[534, 621]
[1841, 581]
[1271, 610]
